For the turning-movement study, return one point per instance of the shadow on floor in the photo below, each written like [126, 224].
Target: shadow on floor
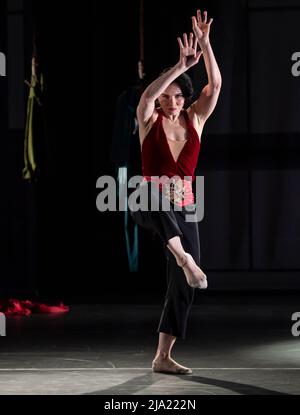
[138, 383]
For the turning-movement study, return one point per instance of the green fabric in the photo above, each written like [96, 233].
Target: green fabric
[34, 99]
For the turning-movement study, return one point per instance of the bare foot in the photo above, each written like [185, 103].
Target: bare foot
[194, 275]
[168, 365]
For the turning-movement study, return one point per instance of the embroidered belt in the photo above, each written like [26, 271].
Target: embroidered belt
[175, 189]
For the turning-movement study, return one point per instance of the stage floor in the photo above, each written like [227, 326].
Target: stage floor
[236, 345]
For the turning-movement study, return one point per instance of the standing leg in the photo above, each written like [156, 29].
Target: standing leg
[181, 239]
[178, 301]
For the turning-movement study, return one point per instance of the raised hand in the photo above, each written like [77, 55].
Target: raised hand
[201, 27]
[188, 51]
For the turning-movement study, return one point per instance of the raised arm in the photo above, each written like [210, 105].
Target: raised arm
[188, 57]
[208, 98]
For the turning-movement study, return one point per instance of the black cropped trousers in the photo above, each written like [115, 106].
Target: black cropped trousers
[179, 295]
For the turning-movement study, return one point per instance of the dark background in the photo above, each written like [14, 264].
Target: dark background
[54, 242]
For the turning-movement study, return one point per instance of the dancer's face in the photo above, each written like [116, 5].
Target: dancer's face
[171, 100]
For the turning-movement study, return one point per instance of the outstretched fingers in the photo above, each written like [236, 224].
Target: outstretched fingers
[201, 21]
[185, 40]
[191, 40]
[199, 17]
[180, 43]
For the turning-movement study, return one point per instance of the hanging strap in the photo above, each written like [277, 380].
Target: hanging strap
[142, 42]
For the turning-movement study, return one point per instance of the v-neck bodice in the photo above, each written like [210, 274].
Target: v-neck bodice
[157, 158]
[169, 147]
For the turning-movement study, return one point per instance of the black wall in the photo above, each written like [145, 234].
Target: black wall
[59, 244]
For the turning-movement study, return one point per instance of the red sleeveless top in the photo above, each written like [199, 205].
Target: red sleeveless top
[157, 159]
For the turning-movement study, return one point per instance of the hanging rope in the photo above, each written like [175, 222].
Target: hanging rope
[142, 41]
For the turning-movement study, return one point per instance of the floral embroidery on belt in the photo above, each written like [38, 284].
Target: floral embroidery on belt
[174, 190]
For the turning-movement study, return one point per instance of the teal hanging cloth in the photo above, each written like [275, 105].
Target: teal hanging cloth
[125, 149]
[131, 245]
